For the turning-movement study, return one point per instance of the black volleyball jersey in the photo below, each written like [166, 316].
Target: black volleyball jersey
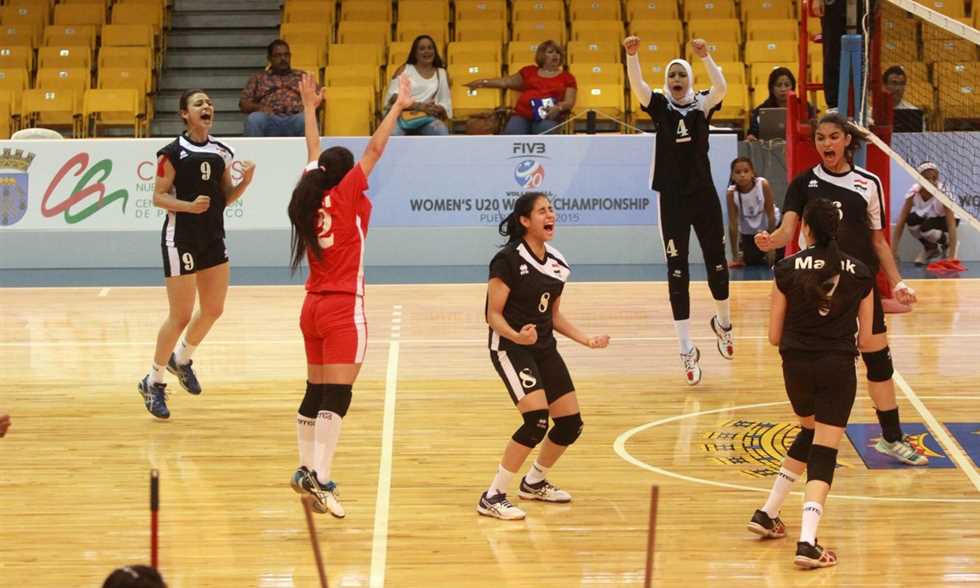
[199, 167]
[534, 285]
[681, 162]
[805, 327]
[858, 194]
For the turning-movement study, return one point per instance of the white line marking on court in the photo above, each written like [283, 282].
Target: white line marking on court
[950, 397]
[620, 447]
[939, 432]
[104, 292]
[379, 543]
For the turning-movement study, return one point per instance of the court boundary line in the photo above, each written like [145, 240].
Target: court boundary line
[619, 446]
[938, 431]
[379, 540]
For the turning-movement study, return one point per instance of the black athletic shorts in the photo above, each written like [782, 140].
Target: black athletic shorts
[525, 370]
[181, 259]
[821, 385]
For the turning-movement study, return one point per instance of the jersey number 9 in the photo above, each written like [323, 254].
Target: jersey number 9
[205, 171]
[545, 300]
[324, 238]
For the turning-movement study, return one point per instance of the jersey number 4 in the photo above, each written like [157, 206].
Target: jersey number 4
[683, 135]
[324, 238]
[671, 248]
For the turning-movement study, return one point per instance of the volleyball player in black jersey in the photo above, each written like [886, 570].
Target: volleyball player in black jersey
[527, 277]
[194, 185]
[817, 295]
[682, 175]
[858, 194]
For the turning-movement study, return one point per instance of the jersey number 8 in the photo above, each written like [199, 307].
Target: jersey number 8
[545, 299]
[324, 238]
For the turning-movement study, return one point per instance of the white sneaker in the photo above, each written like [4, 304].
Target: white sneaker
[498, 507]
[901, 450]
[927, 255]
[726, 338]
[691, 367]
[543, 491]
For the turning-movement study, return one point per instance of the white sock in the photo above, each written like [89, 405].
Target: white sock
[812, 511]
[724, 311]
[183, 351]
[780, 488]
[156, 374]
[500, 482]
[327, 434]
[536, 473]
[684, 336]
[306, 440]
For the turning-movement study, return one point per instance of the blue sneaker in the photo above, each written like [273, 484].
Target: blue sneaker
[154, 397]
[185, 375]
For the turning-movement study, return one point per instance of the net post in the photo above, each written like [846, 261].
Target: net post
[154, 508]
[308, 509]
[651, 535]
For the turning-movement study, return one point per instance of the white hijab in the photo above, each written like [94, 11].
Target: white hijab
[689, 97]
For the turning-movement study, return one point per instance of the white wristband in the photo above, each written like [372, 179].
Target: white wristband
[901, 286]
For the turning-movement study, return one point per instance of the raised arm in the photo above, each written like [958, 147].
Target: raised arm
[376, 146]
[640, 87]
[718, 85]
[311, 100]
[511, 82]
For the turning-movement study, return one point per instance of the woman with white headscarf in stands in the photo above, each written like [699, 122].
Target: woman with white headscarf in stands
[682, 175]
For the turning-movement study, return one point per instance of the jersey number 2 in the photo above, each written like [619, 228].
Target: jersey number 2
[324, 238]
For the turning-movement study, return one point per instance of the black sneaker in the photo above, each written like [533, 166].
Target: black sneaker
[154, 397]
[765, 527]
[810, 557]
[185, 375]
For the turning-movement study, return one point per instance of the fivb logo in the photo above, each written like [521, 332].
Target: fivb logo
[529, 173]
[13, 185]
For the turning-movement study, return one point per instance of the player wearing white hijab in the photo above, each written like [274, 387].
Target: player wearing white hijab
[682, 175]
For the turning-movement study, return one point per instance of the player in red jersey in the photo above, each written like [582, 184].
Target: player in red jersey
[330, 213]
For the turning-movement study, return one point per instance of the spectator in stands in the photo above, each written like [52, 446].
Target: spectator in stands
[430, 89]
[134, 577]
[271, 97]
[781, 83]
[547, 92]
[4, 422]
[911, 119]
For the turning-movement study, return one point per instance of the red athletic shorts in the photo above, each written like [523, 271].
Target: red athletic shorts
[334, 328]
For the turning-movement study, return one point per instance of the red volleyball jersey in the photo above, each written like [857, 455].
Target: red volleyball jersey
[342, 226]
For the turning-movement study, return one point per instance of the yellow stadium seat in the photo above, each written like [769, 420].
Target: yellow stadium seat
[398, 52]
[352, 31]
[462, 73]
[709, 9]
[464, 52]
[651, 10]
[70, 35]
[605, 98]
[923, 95]
[950, 74]
[611, 73]
[481, 30]
[73, 78]
[898, 26]
[776, 30]
[126, 57]
[80, 14]
[349, 111]
[931, 33]
[41, 6]
[21, 15]
[720, 51]
[539, 30]
[588, 52]
[735, 106]
[6, 122]
[326, 8]
[598, 31]
[15, 81]
[898, 50]
[16, 57]
[949, 50]
[112, 107]
[655, 51]
[715, 30]
[951, 8]
[767, 9]
[734, 72]
[759, 74]
[595, 10]
[356, 53]
[538, 10]
[467, 102]
[352, 75]
[653, 73]
[366, 10]
[297, 34]
[522, 52]
[770, 51]
[658, 30]
[310, 56]
[480, 10]
[139, 14]
[960, 101]
[408, 30]
[18, 36]
[125, 77]
[308, 14]
[62, 57]
[814, 54]
[52, 107]
[423, 10]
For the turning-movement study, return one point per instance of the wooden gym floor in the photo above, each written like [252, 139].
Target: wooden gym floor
[423, 437]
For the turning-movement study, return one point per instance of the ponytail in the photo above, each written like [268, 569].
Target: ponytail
[511, 226]
[823, 218]
[332, 166]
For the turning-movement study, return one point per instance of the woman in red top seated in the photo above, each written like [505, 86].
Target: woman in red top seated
[329, 213]
[547, 92]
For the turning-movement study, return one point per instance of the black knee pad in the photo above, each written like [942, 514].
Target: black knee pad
[533, 430]
[311, 401]
[800, 449]
[879, 365]
[566, 429]
[336, 398]
[822, 462]
[718, 279]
